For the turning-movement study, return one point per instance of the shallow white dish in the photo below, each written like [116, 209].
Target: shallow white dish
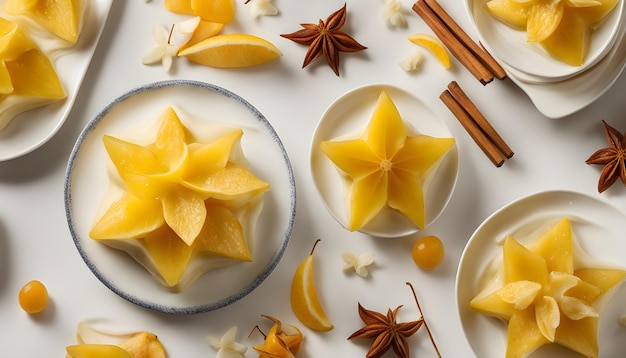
[87, 182]
[35, 127]
[510, 45]
[348, 116]
[598, 227]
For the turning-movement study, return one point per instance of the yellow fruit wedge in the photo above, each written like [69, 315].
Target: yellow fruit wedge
[233, 183]
[434, 45]
[543, 20]
[523, 335]
[594, 14]
[579, 335]
[128, 218]
[231, 51]
[96, 351]
[512, 296]
[556, 248]
[184, 212]
[32, 74]
[510, 12]
[60, 17]
[222, 235]
[214, 10]
[568, 42]
[304, 301]
[279, 343]
[203, 31]
[14, 41]
[144, 345]
[603, 279]
[169, 253]
[521, 264]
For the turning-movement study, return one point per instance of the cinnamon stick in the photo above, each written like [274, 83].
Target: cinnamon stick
[487, 146]
[482, 122]
[479, 51]
[481, 64]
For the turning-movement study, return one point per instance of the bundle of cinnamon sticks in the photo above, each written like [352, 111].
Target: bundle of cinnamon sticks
[473, 56]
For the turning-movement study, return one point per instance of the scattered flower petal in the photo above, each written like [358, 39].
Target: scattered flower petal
[412, 61]
[260, 8]
[164, 52]
[393, 13]
[227, 346]
[358, 262]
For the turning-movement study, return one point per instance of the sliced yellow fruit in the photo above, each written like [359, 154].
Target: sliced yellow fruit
[556, 248]
[32, 74]
[543, 19]
[233, 183]
[129, 217]
[14, 41]
[516, 295]
[516, 256]
[144, 345]
[96, 351]
[568, 42]
[214, 10]
[304, 300]
[203, 31]
[603, 279]
[231, 51]
[222, 234]
[523, 335]
[579, 335]
[548, 316]
[511, 12]
[184, 212]
[169, 253]
[61, 17]
[434, 45]
[594, 14]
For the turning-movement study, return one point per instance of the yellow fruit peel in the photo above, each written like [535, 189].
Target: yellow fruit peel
[434, 45]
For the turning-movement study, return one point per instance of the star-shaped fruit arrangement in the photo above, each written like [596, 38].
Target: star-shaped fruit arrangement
[545, 297]
[180, 200]
[613, 158]
[562, 27]
[281, 341]
[326, 38]
[387, 166]
[388, 333]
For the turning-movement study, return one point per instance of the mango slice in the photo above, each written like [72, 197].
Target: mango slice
[96, 351]
[387, 167]
[61, 17]
[179, 198]
[543, 299]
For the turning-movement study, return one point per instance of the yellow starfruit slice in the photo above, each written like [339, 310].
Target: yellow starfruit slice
[543, 19]
[14, 41]
[568, 42]
[32, 74]
[522, 264]
[128, 218]
[556, 248]
[61, 17]
[169, 253]
[96, 351]
[510, 12]
[222, 11]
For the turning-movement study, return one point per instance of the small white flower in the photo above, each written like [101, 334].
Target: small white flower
[412, 61]
[164, 52]
[393, 13]
[358, 262]
[262, 8]
[226, 345]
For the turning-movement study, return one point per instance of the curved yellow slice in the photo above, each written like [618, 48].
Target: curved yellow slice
[231, 51]
[568, 42]
[32, 74]
[543, 20]
[96, 351]
[129, 217]
[203, 31]
[434, 45]
[511, 12]
[214, 10]
[304, 301]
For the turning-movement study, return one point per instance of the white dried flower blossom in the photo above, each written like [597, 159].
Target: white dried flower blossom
[358, 262]
[260, 8]
[164, 52]
[412, 61]
[227, 346]
[393, 13]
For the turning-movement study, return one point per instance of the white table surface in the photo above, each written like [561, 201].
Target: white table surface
[549, 154]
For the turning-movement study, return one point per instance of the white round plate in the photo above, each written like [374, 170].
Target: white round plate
[510, 46]
[32, 129]
[599, 230]
[348, 117]
[87, 182]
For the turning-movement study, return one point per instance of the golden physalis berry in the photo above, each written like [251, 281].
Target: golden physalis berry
[428, 252]
[33, 297]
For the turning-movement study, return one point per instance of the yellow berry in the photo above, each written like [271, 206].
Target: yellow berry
[428, 252]
[33, 297]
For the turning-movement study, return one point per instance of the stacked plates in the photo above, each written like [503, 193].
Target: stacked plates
[557, 89]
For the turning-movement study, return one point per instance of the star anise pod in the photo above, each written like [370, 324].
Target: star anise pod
[387, 333]
[613, 158]
[326, 38]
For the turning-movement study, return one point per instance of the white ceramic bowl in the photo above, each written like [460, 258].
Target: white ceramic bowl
[87, 182]
[598, 227]
[350, 114]
[509, 45]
